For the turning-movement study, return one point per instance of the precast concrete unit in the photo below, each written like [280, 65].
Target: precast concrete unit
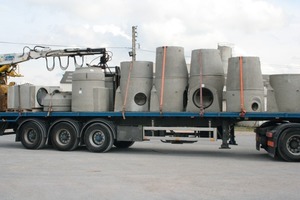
[135, 86]
[271, 100]
[226, 53]
[286, 91]
[171, 78]
[39, 93]
[28, 96]
[109, 84]
[88, 90]
[19, 97]
[206, 81]
[57, 101]
[244, 85]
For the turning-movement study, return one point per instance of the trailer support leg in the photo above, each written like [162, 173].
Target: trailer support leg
[3, 126]
[225, 136]
[232, 136]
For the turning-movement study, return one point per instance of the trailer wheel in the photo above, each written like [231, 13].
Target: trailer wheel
[64, 135]
[123, 144]
[289, 146]
[98, 137]
[33, 134]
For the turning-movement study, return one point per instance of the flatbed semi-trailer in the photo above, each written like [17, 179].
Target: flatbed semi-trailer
[132, 90]
[98, 131]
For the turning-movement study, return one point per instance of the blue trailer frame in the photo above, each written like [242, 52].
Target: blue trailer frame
[269, 136]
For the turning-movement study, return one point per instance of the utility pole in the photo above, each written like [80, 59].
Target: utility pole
[134, 36]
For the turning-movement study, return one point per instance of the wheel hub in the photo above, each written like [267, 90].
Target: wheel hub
[31, 136]
[98, 138]
[64, 137]
[293, 144]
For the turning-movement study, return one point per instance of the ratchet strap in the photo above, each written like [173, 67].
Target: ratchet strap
[162, 80]
[242, 97]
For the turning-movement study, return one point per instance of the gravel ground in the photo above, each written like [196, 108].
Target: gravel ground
[147, 170]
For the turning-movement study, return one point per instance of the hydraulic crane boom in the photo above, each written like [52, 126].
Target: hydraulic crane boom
[8, 62]
[44, 52]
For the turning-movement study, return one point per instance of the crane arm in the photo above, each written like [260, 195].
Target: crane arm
[8, 62]
[45, 52]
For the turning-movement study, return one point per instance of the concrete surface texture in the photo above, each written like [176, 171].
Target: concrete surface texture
[147, 170]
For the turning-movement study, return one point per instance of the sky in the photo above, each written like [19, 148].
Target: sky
[269, 29]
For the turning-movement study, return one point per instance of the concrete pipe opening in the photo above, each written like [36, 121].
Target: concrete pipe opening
[207, 98]
[255, 106]
[140, 99]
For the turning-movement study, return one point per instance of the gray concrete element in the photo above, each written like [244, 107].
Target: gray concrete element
[251, 73]
[211, 100]
[28, 96]
[19, 97]
[88, 90]
[212, 78]
[175, 62]
[118, 104]
[147, 170]
[154, 101]
[175, 78]
[286, 91]
[174, 90]
[139, 86]
[210, 61]
[253, 85]
[109, 84]
[58, 101]
[253, 101]
[226, 53]
[271, 100]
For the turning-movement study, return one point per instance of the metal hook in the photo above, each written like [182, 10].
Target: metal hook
[53, 64]
[62, 67]
[75, 62]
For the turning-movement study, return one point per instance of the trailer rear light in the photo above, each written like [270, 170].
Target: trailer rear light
[269, 134]
[270, 143]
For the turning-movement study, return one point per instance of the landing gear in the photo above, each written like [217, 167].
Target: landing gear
[225, 135]
[232, 140]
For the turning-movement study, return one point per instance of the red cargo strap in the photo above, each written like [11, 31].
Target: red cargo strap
[242, 98]
[162, 80]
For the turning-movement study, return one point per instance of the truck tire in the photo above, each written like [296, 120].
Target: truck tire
[33, 134]
[98, 137]
[289, 145]
[123, 144]
[64, 135]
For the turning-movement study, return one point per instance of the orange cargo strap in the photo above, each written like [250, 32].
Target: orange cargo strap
[162, 80]
[242, 98]
[126, 91]
[201, 83]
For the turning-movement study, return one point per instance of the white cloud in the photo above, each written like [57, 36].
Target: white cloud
[170, 31]
[262, 28]
[111, 28]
